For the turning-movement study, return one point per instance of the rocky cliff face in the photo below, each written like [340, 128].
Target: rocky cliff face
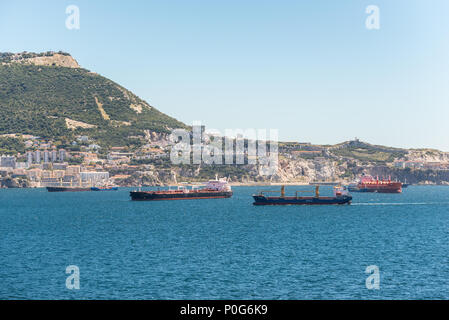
[58, 59]
[344, 167]
[157, 138]
[55, 60]
[413, 176]
[428, 155]
[305, 171]
[9, 182]
[151, 177]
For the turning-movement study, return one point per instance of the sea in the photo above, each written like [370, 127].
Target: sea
[383, 246]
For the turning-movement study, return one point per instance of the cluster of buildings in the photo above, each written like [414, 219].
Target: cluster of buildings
[37, 157]
[44, 164]
[45, 156]
[56, 175]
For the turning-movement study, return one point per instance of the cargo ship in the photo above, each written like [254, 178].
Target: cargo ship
[368, 184]
[79, 189]
[67, 189]
[214, 189]
[104, 186]
[341, 196]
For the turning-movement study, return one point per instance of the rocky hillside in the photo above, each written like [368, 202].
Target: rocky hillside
[55, 59]
[304, 164]
[49, 95]
[427, 155]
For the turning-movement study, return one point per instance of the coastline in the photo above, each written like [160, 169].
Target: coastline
[234, 184]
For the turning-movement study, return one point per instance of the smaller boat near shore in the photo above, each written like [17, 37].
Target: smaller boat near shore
[341, 196]
[106, 188]
[405, 184]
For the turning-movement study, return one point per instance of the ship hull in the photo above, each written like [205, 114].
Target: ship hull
[360, 189]
[67, 189]
[158, 196]
[381, 188]
[357, 189]
[260, 200]
[104, 189]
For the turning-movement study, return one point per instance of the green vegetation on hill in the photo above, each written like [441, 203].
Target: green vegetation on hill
[11, 146]
[37, 100]
[367, 152]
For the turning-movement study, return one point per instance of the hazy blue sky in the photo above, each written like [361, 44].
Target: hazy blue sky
[308, 68]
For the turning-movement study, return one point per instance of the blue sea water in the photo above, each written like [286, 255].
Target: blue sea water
[223, 248]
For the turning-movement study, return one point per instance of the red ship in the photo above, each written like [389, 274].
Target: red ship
[369, 184]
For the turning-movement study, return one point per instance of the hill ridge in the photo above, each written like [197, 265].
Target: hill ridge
[39, 91]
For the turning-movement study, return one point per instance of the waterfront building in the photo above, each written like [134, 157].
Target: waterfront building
[34, 174]
[73, 170]
[58, 174]
[46, 174]
[7, 161]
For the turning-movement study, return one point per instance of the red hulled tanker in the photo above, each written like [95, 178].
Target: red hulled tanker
[369, 184]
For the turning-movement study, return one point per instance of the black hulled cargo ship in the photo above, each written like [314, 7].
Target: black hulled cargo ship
[80, 186]
[67, 189]
[215, 189]
[340, 197]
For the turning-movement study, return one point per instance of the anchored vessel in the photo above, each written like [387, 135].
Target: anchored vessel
[341, 196]
[81, 187]
[405, 184]
[78, 189]
[369, 184]
[67, 189]
[70, 188]
[106, 188]
[218, 188]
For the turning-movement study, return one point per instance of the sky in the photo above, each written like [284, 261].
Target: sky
[309, 68]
